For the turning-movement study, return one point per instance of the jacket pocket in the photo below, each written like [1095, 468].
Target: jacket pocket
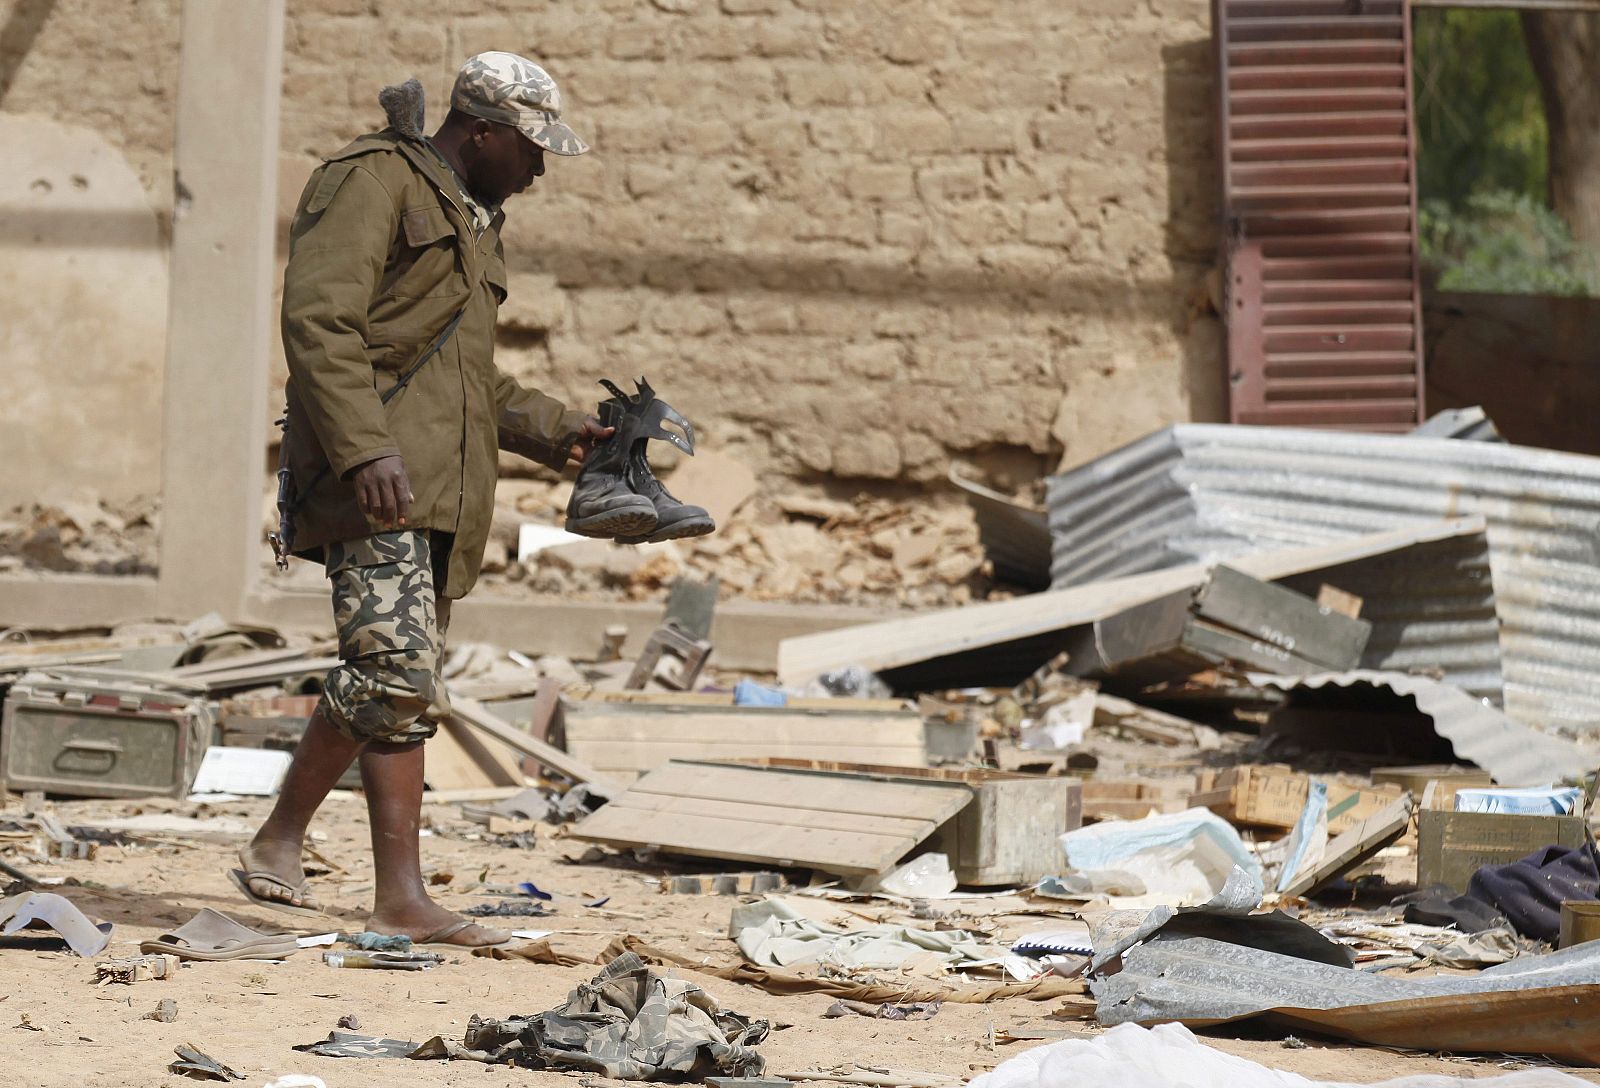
[424, 225]
[428, 264]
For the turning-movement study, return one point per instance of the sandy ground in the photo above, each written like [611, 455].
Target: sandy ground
[249, 1015]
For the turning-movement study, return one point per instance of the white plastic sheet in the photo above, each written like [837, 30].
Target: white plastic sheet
[1169, 1056]
[1182, 858]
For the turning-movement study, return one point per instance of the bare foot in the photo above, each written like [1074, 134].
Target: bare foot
[282, 861]
[428, 923]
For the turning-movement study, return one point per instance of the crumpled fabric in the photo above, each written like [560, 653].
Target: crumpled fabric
[1483, 949]
[789, 983]
[1530, 891]
[1129, 1056]
[628, 1023]
[347, 1044]
[773, 934]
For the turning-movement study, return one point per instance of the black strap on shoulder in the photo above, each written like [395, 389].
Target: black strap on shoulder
[433, 349]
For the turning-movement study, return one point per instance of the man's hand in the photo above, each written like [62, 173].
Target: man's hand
[590, 434]
[383, 491]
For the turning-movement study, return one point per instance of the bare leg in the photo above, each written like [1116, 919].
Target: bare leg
[391, 774]
[322, 756]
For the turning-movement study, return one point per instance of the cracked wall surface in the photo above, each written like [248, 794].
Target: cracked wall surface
[849, 240]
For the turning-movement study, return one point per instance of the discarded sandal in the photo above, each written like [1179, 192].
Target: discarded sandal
[212, 936]
[241, 879]
[621, 466]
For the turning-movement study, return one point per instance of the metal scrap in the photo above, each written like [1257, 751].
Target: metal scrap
[1206, 492]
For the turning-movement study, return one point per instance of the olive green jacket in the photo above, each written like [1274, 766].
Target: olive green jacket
[382, 256]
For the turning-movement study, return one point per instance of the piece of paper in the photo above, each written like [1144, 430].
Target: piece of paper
[318, 941]
[532, 934]
[534, 537]
[251, 772]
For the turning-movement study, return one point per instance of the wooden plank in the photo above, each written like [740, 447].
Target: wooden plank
[635, 739]
[447, 766]
[499, 768]
[846, 854]
[1355, 845]
[624, 761]
[943, 637]
[474, 713]
[716, 699]
[250, 659]
[836, 822]
[666, 805]
[808, 791]
[487, 793]
[262, 675]
[802, 727]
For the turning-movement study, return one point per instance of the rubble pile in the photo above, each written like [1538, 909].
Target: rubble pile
[804, 549]
[86, 535]
[1304, 782]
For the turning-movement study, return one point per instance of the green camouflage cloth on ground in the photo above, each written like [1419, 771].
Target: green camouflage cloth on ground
[391, 639]
[628, 1023]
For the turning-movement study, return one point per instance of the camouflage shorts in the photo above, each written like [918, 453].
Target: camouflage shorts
[391, 639]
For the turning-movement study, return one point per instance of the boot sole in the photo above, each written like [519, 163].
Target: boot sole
[681, 531]
[613, 523]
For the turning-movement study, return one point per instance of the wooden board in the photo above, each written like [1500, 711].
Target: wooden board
[1356, 845]
[448, 766]
[846, 824]
[725, 699]
[474, 714]
[626, 740]
[497, 766]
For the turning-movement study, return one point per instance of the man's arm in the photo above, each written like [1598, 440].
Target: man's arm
[539, 427]
[341, 241]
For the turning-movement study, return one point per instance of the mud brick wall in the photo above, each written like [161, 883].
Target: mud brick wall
[853, 240]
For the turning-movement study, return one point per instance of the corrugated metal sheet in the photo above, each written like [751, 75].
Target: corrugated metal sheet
[1547, 1004]
[1014, 537]
[1513, 753]
[1201, 492]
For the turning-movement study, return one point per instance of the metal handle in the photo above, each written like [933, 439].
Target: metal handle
[108, 747]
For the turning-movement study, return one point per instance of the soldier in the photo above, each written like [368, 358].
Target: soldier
[396, 411]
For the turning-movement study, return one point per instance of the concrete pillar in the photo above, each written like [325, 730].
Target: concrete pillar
[230, 73]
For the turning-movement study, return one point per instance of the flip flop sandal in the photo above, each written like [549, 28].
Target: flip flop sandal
[440, 938]
[213, 936]
[241, 880]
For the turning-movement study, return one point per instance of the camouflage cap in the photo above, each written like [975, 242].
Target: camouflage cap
[515, 91]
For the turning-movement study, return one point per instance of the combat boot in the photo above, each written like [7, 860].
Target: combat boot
[602, 503]
[643, 417]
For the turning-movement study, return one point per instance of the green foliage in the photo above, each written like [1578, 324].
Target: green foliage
[1505, 243]
[1480, 120]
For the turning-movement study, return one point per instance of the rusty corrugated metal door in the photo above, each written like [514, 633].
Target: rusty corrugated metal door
[1319, 201]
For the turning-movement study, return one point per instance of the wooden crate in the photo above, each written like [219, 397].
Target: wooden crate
[1451, 846]
[1272, 795]
[998, 827]
[1011, 832]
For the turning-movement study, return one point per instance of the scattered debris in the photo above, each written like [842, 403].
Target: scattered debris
[165, 1012]
[199, 1065]
[130, 969]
